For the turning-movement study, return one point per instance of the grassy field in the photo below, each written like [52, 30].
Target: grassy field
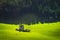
[39, 31]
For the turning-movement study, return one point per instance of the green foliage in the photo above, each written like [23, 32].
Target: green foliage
[46, 6]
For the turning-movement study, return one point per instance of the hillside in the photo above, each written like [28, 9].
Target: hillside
[39, 31]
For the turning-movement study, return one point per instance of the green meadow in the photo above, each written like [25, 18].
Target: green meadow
[46, 31]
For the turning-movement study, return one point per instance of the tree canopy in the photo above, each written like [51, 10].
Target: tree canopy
[45, 10]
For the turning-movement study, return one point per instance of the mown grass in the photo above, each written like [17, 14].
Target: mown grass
[39, 31]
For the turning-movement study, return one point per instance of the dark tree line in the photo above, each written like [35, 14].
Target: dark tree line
[45, 10]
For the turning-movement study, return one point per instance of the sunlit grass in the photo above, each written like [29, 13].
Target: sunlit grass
[46, 31]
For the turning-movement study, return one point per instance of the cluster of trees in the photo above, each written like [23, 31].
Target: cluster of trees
[45, 10]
